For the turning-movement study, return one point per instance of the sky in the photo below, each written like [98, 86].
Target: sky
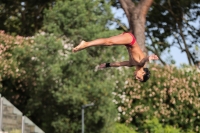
[180, 58]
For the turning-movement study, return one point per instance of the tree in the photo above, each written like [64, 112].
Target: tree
[87, 22]
[136, 14]
[176, 20]
[50, 86]
[23, 17]
[165, 19]
[55, 83]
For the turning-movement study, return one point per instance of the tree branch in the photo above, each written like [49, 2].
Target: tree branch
[120, 24]
[155, 50]
[144, 6]
[127, 5]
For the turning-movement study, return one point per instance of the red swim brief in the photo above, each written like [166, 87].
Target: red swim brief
[133, 39]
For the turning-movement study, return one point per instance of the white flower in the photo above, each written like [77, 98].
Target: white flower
[120, 109]
[118, 118]
[33, 58]
[114, 93]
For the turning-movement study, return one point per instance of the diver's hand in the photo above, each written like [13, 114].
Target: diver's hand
[101, 66]
[153, 57]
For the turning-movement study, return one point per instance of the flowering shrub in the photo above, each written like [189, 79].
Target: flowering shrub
[10, 50]
[171, 95]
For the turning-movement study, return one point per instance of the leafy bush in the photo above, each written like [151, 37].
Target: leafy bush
[49, 85]
[150, 126]
[122, 128]
[171, 95]
[153, 126]
[10, 50]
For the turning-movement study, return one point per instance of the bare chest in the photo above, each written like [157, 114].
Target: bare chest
[135, 55]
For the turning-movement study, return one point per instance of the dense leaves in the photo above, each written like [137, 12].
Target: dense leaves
[150, 126]
[90, 20]
[22, 17]
[56, 83]
[177, 20]
[49, 84]
[11, 49]
[169, 24]
[172, 95]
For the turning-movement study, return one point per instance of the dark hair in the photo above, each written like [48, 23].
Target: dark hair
[146, 75]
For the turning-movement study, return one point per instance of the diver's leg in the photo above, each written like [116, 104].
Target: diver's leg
[121, 39]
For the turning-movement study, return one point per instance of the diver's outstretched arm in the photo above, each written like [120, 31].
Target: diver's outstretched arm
[146, 59]
[115, 64]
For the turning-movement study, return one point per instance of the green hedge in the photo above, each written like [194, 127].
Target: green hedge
[122, 128]
[150, 126]
[171, 95]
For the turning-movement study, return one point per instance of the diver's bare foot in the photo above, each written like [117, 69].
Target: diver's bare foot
[79, 47]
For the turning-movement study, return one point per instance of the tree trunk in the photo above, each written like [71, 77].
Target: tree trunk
[136, 16]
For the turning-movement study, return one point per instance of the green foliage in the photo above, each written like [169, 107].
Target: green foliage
[11, 49]
[55, 83]
[23, 18]
[82, 86]
[81, 83]
[150, 126]
[122, 128]
[177, 21]
[49, 84]
[89, 21]
[171, 95]
[153, 126]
